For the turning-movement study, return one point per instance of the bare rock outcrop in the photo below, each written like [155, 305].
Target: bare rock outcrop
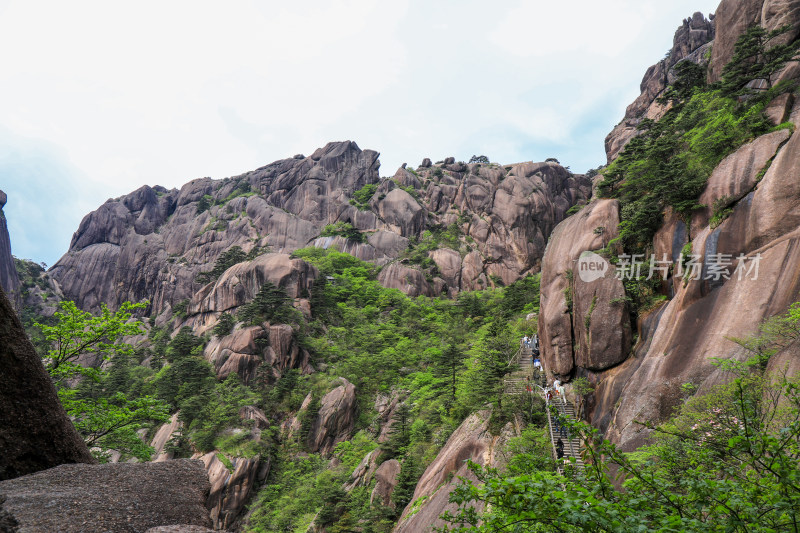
[118, 497]
[162, 436]
[582, 324]
[9, 281]
[154, 243]
[35, 432]
[231, 488]
[757, 186]
[336, 419]
[385, 482]
[691, 42]
[472, 441]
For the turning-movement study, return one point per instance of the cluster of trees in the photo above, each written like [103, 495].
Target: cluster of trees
[727, 461]
[668, 164]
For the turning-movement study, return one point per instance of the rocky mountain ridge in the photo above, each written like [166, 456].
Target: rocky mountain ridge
[154, 243]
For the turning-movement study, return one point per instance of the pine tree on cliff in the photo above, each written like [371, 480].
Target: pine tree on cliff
[496, 350]
[758, 58]
[448, 365]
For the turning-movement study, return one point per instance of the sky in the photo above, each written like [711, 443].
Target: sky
[100, 98]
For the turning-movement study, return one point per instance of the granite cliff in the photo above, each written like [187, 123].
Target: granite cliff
[641, 368]
[154, 243]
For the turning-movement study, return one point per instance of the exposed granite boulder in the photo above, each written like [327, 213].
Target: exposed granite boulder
[240, 283]
[336, 419]
[153, 243]
[162, 436]
[118, 497]
[737, 175]
[385, 482]
[472, 441]
[9, 281]
[732, 19]
[35, 432]
[231, 489]
[568, 338]
[363, 473]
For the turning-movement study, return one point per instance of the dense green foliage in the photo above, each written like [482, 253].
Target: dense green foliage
[362, 196]
[669, 163]
[106, 418]
[426, 351]
[727, 461]
[758, 57]
[343, 229]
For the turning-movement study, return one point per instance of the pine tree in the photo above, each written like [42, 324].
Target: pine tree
[448, 366]
[496, 350]
[758, 58]
[399, 434]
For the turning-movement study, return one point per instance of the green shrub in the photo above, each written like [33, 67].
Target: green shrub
[343, 229]
[362, 196]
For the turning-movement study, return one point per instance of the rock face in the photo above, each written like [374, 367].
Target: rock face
[336, 419]
[471, 440]
[35, 432]
[153, 243]
[385, 482]
[231, 489]
[117, 497]
[757, 186]
[583, 324]
[733, 17]
[691, 43]
[9, 281]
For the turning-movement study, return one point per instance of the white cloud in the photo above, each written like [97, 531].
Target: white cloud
[163, 92]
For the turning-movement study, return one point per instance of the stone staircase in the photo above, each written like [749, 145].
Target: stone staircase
[572, 444]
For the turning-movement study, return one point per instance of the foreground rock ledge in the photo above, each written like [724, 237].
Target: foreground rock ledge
[117, 497]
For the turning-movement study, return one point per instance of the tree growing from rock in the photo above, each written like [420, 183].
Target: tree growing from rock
[758, 56]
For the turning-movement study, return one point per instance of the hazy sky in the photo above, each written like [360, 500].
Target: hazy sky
[100, 98]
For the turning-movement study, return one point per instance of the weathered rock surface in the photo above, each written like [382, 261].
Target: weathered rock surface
[35, 432]
[181, 528]
[595, 332]
[385, 482]
[162, 436]
[231, 490]
[117, 497]
[9, 281]
[363, 473]
[691, 42]
[678, 339]
[336, 419]
[153, 243]
[472, 441]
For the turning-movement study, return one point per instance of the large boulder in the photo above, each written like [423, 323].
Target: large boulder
[119, 497]
[582, 323]
[35, 432]
[336, 419]
[231, 489]
[385, 481]
[9, 281]
[471, 441]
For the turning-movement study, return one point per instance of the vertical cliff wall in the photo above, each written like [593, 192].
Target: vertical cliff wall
[677, 340]
[8, 273]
